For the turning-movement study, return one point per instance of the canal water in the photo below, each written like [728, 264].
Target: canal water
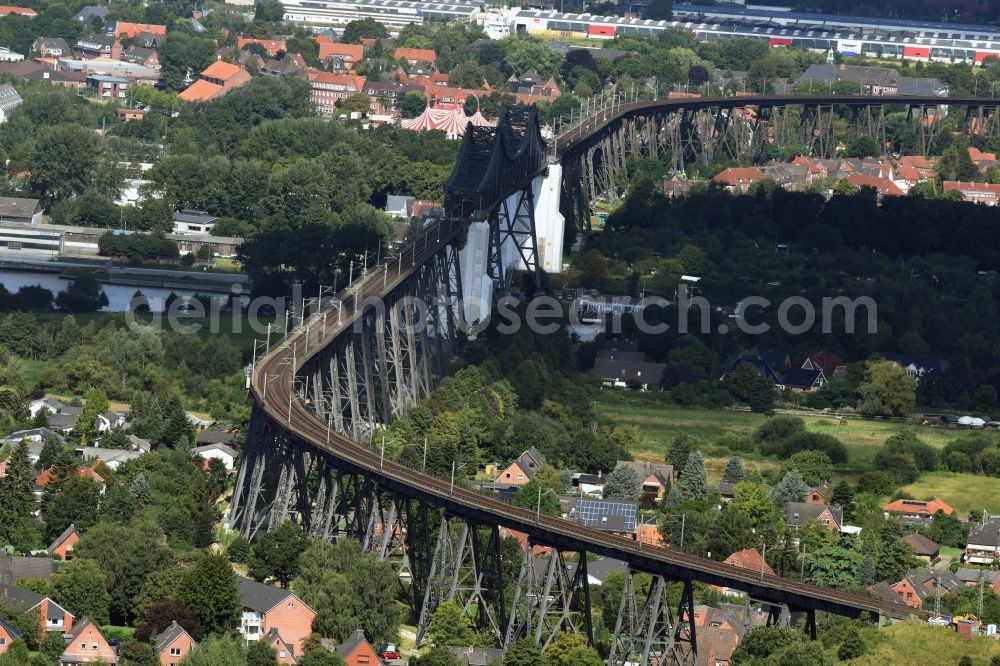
[119, 296]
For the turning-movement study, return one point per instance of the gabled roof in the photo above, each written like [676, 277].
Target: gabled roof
[352, 643]
[828, 362]
[739, 175]
[11, 631]
[45, 477]
[18, 207]
[272, 46]
[221, 70]
[662, 471]
[274, 639]
[800, 513]
[750, 559]
[762, 367]
[15, 567]
[884, 591]
[348, 52]
[228, 450]
[169, 635]
[26, 600]
[91, 11]
[260, 597]
[922, 545]
[134, 29]
[987, 534]
[715, 644]
[201, 91]
[802, 378]
[925, 583]
[22, 11]
[62, 537]
[918, 507]
[530, 461]
[43, 43]
[416, 55]
[883, 186]
[206, 437]
[971, 576]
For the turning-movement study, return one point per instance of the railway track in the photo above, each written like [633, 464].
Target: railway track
[283, 406]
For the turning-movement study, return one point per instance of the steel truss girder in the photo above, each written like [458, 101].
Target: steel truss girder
[460, 571]
[550, 602]
[391, 357]
[512, 224]
[650, 634]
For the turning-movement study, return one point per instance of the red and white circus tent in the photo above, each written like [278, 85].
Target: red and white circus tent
[479, 120]
[452, 122]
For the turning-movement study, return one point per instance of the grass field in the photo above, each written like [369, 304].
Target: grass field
[911, 643]
[661, 423]
[965, 492]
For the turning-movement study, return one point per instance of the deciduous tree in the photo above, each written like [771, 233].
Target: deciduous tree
[276, 554]
[450, 626]
[593, 269]
[571, 650]
[210, 590]
[81, 588]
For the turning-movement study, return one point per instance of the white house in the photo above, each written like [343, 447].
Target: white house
[223, 452]
[194, 222]
[51, 405]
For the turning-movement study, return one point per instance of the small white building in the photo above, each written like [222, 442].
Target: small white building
[9, 100]
[194, 222]
[6, 55]
[222, 452]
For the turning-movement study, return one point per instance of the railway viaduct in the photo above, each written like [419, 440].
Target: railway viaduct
[363, 356]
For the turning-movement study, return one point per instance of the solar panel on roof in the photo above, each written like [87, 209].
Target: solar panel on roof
[593, 513]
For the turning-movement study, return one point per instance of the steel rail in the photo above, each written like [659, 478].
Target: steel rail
[287, 410]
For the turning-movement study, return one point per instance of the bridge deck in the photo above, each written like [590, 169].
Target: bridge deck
[593, 125]
[283, 407]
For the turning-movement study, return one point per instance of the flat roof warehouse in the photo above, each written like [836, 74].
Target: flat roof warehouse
[809, 19]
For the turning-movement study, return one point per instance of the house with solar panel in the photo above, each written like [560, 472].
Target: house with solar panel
[616, 516]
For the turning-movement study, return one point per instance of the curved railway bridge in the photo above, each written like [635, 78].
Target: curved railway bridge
[593, 148]
[362, 357]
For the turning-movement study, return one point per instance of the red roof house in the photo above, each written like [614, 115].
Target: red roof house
[739, 179]
[6, 10]
[272, 46]
[356, 651]
[87, 645]
[63, 546]
[749, 558]
[348, 53]
[416, 55]
[883, 186]
[125, 29]
[918, 510]
[173, 644]
[8, 635]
